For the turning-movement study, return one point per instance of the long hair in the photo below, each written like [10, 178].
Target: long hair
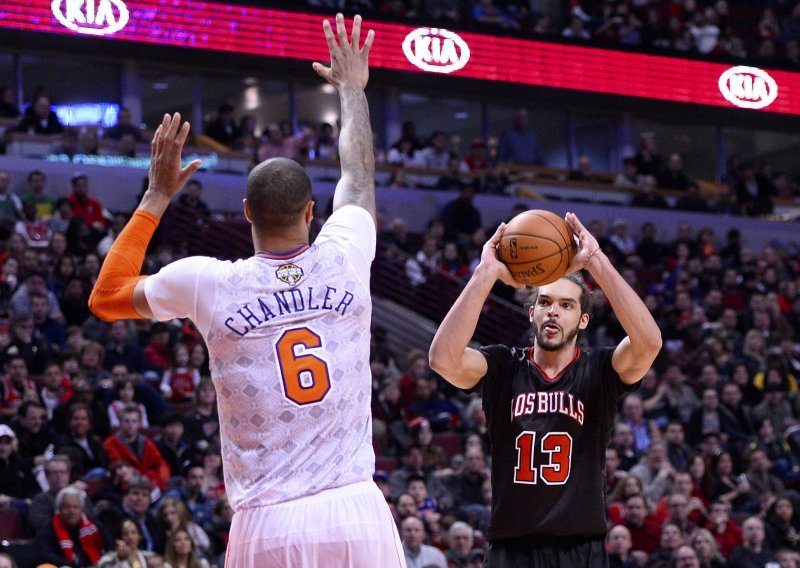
[169, 550]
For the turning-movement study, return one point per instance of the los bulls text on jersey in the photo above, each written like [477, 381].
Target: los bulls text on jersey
[549, 436]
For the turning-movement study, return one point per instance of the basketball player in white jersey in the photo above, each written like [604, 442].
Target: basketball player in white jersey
[288, 335]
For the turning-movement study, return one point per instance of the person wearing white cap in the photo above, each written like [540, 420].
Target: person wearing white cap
[17, 482]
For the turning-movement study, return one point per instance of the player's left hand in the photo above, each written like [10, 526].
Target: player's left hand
[167, 177]
[587, 245]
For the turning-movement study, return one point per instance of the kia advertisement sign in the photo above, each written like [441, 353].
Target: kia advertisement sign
[240, 29]
[436, 50]
[103, 17]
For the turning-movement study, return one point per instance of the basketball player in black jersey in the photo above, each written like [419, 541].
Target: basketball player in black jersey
[550, 408]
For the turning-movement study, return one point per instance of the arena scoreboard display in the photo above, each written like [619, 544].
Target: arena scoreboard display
[297, 35]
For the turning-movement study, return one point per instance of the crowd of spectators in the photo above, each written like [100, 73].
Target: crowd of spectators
[111, 432]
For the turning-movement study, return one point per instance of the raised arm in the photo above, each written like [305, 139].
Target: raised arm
[635, 354]
[450, 355]
[119, 290]
[349, 73]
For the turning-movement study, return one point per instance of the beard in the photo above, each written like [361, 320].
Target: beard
[552, 345]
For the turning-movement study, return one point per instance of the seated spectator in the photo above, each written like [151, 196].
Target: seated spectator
[181, 550]
[706, 549]
[754, 193]
[460, 217]
[17, 482]
[782, 525]
[141, 453]
[122, 349]
[211, 458]
[673, 177]
[761, 481]
[424, 264]
[630, 175]
[190, 206]
[46, 326]
[454, 179]
[436, 155]
[477, 159]
[417, 553]
[68, 145]
[648, 160]
[621, 240]
[519, 145]
[202, 423]
[725, 487]
[193, 496]
[280, 144]
[36, 192]
[16, 387]
[123, 127]
[172, 444]
[34, 436]
[649, 196]
[584, 171]
[8, 108]
[221, 526]
[173, 516]
[431, 405]
[71, 538]
[127, 553]
[452, 261]
[81, 444]
[619, 544]
[655, 471]
[180, 381]
[753, 552]
[10, 204]
[57, 470]
[623, 440]
[412, 465]
[223, 128]
[135, 506]
[692, 200]
[39, 118]
[671, 540]
[462, 539]
[126, 390]
[467, 485]
[576, 29]
[56, 388]
[628, 486]
[89, 144]
[433, 456]
[87, 208]
[22, 300]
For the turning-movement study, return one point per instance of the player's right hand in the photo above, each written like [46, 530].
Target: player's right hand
[490, 261]
[349, 62]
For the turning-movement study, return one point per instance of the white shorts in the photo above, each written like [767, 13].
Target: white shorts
[346, 527]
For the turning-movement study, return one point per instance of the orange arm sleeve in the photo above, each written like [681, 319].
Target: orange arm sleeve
[112, 296]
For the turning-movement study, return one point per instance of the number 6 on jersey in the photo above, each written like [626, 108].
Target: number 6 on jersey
[305, 377]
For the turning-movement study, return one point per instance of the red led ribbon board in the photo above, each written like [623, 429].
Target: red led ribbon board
[296, 35]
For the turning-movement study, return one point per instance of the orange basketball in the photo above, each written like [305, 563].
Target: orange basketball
[537, 246]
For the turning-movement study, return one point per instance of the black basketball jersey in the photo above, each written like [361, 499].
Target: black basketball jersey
[548, 438]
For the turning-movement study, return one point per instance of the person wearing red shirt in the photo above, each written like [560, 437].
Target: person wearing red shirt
[133, 448]
[85, 207]
[645, 529]
[727, 534]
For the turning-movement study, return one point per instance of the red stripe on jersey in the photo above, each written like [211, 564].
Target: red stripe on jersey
[283, 256]
[547, 377]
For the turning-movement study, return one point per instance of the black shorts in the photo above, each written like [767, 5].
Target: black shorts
[547, 552]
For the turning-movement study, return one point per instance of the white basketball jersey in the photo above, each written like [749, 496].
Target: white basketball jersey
[289, 342]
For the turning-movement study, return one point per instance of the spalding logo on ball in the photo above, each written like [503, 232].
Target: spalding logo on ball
[537, 246]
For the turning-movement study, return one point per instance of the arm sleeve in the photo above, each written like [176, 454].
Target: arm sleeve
[611, 380]
[352, 229]
[174, 291]
[498, 359]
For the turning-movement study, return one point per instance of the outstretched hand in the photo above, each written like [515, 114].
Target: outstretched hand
[587, 245]
[167, 177]
[349, 63]
[490, 260]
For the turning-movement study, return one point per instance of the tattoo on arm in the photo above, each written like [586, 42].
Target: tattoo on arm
[357, 185]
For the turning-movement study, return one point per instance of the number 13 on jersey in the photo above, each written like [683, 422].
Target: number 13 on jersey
[305, 376]
[557, 445]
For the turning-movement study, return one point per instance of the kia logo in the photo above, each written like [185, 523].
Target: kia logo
[92, 17]
[748, 87]
[436, 50]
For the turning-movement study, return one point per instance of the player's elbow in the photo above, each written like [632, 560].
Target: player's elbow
[99, 306]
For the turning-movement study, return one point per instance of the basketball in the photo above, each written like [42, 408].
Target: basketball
[537, 247]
